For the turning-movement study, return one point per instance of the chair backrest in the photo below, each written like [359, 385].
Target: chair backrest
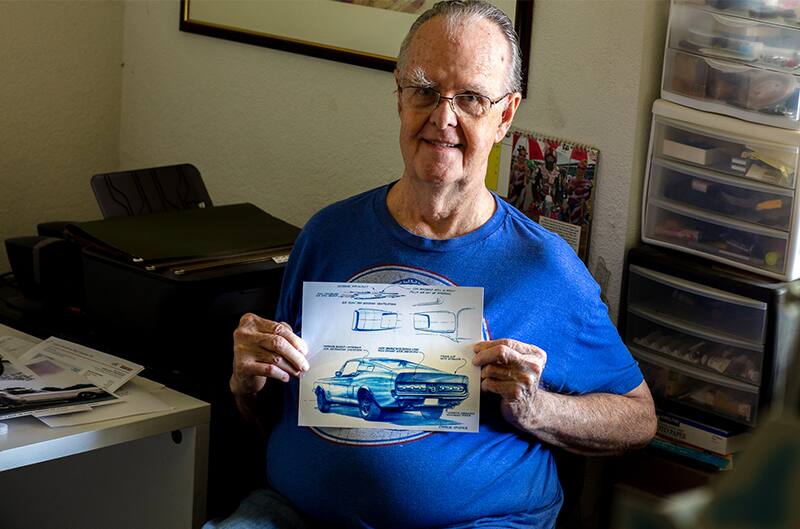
[151, 190]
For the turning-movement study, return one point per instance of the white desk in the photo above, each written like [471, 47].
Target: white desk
[146, 471]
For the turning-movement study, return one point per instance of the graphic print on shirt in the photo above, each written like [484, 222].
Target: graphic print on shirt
[426, 319]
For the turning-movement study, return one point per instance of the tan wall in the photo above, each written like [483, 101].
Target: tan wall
[292, 133]
[288, 132]
[59, 109]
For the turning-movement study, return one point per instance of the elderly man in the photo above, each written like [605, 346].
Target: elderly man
[554, 371]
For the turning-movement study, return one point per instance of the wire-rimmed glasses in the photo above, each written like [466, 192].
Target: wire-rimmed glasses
[468, 104]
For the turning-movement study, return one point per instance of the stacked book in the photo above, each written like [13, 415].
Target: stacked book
[711, 446]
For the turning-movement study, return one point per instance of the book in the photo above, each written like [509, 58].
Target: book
[716, 461]
[717, 440]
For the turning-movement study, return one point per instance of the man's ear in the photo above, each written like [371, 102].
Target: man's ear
[508, 116]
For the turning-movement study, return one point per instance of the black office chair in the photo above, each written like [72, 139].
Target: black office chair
[151, 190]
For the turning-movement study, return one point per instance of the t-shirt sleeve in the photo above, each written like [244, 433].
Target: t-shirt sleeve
[598, 344]
[290, 301]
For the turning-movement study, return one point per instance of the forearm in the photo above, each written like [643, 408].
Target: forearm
[593, 424]
[247, 404]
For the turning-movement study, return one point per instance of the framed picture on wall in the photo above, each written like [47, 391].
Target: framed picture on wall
[361, 32]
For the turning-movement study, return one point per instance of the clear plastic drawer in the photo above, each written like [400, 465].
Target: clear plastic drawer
[675, 225]
[781, 12]
[735, 198]
[673, 381]
[739, 90]
[726, 152]
[687, 305]
[694, 345]
[713, 34]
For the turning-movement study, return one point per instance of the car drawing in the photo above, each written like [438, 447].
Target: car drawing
[17, 396]
[440, 322]
[374, 320]
[375, 385]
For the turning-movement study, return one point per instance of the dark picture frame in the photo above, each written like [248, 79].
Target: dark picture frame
[246, 31]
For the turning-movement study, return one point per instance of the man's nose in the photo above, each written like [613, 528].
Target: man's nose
[444, 113]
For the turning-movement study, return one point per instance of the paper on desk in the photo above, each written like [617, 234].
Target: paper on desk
[103, 370]
[13, 346]
[391, 356]
[138, 400]
[44, 385]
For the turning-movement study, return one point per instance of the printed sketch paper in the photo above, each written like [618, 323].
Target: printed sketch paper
[391, 356]
[45, 384]
[103, 370]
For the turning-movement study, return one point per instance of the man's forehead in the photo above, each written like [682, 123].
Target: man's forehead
[473, 50]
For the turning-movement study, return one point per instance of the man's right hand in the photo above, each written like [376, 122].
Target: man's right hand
[265, 349]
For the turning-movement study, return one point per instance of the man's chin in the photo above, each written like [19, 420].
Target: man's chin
[441, 176]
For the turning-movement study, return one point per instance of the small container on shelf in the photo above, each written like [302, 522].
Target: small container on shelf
[688, 386]
[739, 90]
[732, 64]
[783, 12]
[713, 342]
[691, 305]
[688, 229]
[695, 346]
[727, 146]
[723, 189]
[713, 193]
[706, 31]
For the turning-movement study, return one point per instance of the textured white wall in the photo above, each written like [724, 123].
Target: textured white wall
[60, 89]
[594, 73]
[292, 133]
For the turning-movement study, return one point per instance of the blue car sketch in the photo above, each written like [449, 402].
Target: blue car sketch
[378, 384]
[374, 320]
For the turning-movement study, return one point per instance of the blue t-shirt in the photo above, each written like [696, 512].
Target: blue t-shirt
[536, 290]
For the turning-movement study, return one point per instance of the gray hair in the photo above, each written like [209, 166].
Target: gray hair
[458, 10]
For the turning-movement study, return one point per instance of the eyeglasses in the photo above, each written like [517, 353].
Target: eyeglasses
[424, 99]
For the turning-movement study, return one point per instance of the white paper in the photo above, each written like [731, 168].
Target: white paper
[13, 346]
[137, 400]
[391, 356]
[44, 385]
[103, 370]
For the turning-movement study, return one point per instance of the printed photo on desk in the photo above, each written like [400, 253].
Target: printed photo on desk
[44, 386]
[550, 180]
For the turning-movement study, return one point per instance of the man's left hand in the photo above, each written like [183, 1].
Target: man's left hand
[512, 369]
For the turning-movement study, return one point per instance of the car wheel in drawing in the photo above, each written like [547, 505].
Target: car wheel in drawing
[323, 404]
[367, 407]
[432, 413]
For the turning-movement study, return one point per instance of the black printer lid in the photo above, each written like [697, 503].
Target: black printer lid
[187, 234]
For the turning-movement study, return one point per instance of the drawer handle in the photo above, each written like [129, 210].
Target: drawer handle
[694, 330]
[695, 288]
[734, 22]
[727, 67]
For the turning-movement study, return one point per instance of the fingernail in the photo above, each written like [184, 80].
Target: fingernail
[305, 366]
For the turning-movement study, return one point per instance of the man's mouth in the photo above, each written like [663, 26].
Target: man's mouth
[442, 143]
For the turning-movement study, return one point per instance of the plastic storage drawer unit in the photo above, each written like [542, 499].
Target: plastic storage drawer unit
[723, 189]
[714, 343]
[734, 65]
